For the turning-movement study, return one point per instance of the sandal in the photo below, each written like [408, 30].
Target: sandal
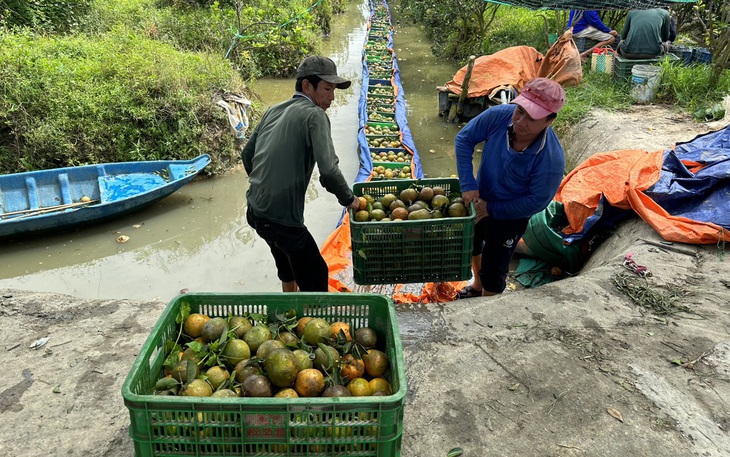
[468, 292]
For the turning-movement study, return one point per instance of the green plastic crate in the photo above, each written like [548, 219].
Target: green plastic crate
[393, 126]
[391, 166]
[380, 115]
[167, 426]
[383, 89]
[622, 66]
[400, 252]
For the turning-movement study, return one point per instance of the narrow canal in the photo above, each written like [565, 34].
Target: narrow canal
[197, 238]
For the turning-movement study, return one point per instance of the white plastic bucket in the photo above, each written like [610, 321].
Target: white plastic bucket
[645, 82]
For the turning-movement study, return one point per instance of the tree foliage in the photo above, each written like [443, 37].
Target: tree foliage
[75, 100]
[49, 16]
[708, 22]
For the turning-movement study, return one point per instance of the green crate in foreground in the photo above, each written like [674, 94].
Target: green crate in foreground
[166, 426]
[400, 252]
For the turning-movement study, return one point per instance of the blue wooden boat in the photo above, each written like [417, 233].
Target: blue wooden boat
[61, 198]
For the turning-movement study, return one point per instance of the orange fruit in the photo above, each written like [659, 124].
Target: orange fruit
[256, 385]
[301, 323]
[363, 202]
[213, 329]
[380, 385]
[359, 387]
[352, 367]
[316, 331]
[322, 362]
[197, 388]
[193, 324]
[366, 337]
[335, 328]
[399, 213]
[289, 339]
[235, 351]
[255, 336]
[376, 363]
[336, 390]
[287, 393]
[239, 325]
[243, 370]
[217, 375]
[362, 216]
[281, 367]
[309, 383]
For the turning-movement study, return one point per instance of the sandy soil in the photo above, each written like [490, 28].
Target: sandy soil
[573, 368]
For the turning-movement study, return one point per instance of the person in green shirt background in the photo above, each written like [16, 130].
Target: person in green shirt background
[279, 158]
[644, 34]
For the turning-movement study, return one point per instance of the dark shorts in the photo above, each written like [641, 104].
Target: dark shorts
[295, 253]
[496, 241]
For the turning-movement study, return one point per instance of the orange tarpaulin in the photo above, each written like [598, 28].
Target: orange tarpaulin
[337, 252]
[515, 66]
[622, 177]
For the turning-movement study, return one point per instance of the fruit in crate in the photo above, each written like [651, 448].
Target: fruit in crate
[329, 355]
[381, 129]
[416, 202]
[381, 90]
[392, 156]
[373, 99]
[384, 142]
[382, 172]
[379, 117]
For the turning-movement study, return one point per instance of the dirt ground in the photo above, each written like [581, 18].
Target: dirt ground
[572, 368]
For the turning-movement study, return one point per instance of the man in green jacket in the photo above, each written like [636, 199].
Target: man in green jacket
[279, 158]
[644, 34]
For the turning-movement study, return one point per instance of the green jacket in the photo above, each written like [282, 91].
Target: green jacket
[279, 158]
[645, 31]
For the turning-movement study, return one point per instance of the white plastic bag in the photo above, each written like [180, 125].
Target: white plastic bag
[235, 107]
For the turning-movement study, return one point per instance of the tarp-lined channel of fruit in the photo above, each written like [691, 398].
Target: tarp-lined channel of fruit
[246, 356]
[416, 202]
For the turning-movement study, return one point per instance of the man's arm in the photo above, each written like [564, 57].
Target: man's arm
[593, 19]
[330, 175]
[247, 153]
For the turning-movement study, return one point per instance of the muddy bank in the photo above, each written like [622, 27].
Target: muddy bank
[570, 368]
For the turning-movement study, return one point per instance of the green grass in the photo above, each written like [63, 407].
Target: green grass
[77, 99]
[596, 90]
[515, 27]
[690, 87]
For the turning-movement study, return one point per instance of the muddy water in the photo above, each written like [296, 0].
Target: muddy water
[197, 238]
[420, 73]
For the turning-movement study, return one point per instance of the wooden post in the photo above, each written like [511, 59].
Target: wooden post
[455, 113]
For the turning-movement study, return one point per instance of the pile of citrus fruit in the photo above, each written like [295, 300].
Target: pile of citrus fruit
[246, 356]
[412, 203]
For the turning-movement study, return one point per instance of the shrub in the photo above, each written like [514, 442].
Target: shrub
[268, 40]
[76, 100]
[56, 16]
[691, 86]
[515, 27]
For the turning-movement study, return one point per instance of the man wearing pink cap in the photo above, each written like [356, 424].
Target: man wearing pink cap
[521, 168]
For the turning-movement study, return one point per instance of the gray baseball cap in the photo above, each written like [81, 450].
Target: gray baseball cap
[324, 68]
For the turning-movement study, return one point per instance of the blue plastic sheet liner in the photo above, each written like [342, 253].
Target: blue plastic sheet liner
[401, 119]
[702, 196]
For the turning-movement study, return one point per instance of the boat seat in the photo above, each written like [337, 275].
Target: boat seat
[32, 187]
[65, 187]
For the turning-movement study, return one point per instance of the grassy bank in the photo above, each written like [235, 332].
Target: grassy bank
[90, 81]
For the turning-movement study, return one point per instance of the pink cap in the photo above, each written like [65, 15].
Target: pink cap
[540, 97]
